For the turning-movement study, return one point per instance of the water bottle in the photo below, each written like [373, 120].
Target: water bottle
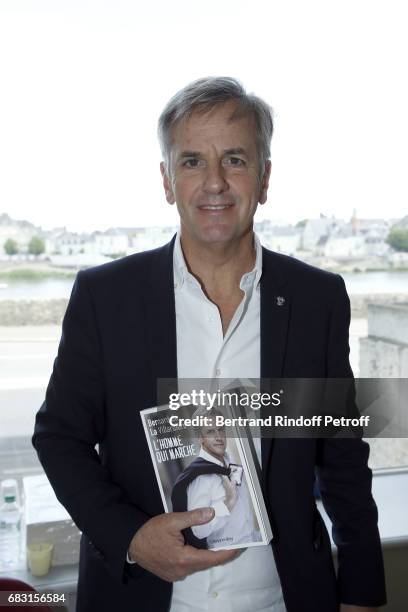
[10, 523]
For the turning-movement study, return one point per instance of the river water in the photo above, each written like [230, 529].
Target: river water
[356, 283]
[35, 289]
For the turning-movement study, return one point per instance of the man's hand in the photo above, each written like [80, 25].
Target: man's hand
[231, 493]
[348, 608]
[159, 546]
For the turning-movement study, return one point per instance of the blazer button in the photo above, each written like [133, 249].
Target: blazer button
[317, 542]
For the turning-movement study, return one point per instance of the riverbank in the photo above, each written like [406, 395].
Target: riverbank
[33, 271]
[45, 270]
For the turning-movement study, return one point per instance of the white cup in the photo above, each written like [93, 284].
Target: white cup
[39, 558]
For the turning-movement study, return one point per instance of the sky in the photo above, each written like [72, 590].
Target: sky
[83, 83]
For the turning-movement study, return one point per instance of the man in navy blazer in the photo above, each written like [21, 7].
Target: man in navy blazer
[119, 338]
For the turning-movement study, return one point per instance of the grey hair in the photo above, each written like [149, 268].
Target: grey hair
[205, 94]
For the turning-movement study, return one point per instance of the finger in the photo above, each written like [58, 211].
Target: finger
[199, 516]
[203, 559]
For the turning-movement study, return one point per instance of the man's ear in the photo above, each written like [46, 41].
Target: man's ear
[263, 193]
[168, 190]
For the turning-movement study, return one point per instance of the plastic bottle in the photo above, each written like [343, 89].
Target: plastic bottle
[10, 526]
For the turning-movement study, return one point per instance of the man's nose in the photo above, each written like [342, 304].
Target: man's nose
[214, 179]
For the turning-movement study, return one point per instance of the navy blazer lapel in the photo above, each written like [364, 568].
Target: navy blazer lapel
[160, 314]
[275, 314]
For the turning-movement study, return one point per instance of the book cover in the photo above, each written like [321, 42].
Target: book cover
[201, 463]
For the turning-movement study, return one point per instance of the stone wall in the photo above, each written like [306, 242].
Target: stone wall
[359, 303]
[384, 353]
[32, 312]
[47, 312]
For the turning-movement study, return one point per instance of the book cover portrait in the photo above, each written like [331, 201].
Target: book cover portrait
[198, 465]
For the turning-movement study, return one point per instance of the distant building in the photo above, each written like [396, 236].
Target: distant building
[344, 246]
[111, 242]
[282, 239]
[70, 243]
[374, 227]
[150, 237]
[401, 224]
[315, 230]
[336, 239]
[398, 259]
[376, 245]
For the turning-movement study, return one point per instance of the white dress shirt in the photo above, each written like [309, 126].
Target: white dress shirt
[250, 582]
[227, 527]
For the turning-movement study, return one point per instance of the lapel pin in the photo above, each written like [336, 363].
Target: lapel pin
[280, 300]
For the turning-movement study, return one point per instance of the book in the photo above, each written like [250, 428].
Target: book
[199, 462]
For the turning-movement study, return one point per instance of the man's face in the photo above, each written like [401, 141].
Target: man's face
[213, 441]
[214, 175]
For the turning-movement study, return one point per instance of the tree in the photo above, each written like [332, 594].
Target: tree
[398, 239]
[301, 223]
[10, 247]
[36, 246]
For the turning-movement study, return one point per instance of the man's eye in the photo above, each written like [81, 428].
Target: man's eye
[191, 163]
[236, 161]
